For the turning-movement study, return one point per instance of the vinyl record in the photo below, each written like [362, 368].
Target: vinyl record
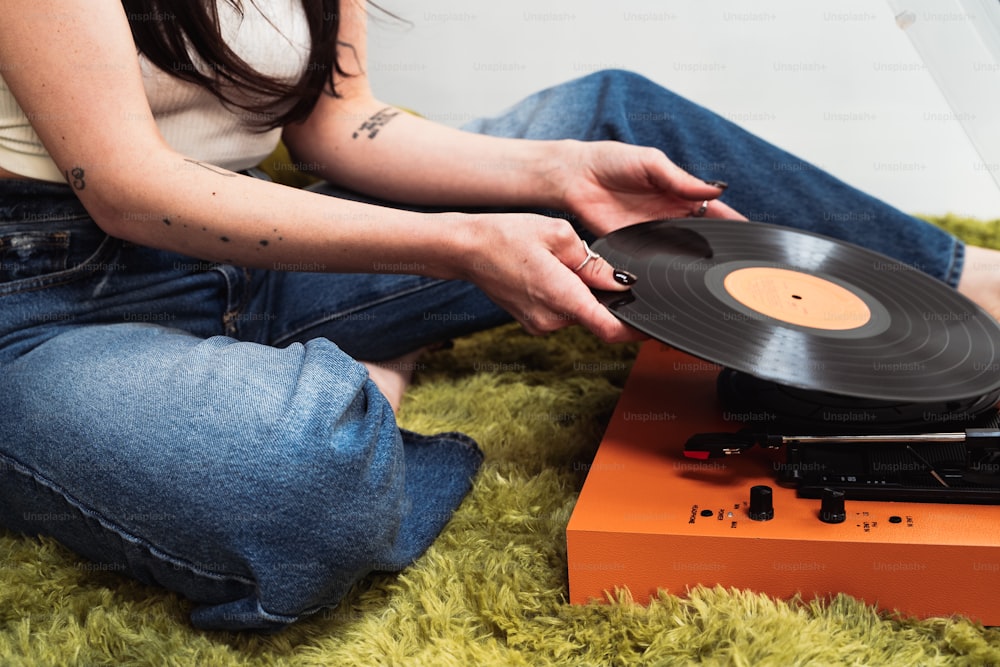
[802, 310]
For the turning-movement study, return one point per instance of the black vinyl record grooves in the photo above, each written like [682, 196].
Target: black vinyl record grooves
[803, 310]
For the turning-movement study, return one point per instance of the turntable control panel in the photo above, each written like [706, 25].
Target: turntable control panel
[832, 509]
[649, 519]
[739, 498]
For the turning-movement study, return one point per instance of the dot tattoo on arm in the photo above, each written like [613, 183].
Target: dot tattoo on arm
[376, 122]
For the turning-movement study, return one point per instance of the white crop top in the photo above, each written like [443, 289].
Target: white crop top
[272, 36]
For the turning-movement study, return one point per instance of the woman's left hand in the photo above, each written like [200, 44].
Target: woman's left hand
[609, 185]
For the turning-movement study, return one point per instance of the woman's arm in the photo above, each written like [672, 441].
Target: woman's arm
[81, 87]
[74, 71]
[361, 143]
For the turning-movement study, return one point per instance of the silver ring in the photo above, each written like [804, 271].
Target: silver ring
[701, 209]
[590, 255]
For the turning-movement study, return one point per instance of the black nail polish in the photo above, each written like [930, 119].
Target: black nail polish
[624, 277]
[722, 185]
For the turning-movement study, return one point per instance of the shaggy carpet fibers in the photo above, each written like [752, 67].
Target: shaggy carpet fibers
[492, 590]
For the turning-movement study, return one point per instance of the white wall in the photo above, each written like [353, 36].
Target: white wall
[835, 82]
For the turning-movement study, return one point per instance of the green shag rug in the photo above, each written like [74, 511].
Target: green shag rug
[493, 589]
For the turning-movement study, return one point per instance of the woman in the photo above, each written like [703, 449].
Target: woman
[179, 337]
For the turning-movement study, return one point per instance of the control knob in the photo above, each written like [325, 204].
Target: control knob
[831, 509]
[761, 503]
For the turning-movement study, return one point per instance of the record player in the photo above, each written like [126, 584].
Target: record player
[816, 337]
[810, 419]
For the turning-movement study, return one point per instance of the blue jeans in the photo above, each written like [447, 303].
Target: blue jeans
[207, 427]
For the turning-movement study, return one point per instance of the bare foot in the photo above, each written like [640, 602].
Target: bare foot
[393, 376]
[980, 279]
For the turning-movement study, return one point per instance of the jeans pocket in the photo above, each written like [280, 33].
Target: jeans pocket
[36, 259]
[29, 254]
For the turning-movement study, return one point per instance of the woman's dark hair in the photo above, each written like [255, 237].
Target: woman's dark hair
[170, 32]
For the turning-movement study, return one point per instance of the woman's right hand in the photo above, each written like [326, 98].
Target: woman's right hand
[527, 264]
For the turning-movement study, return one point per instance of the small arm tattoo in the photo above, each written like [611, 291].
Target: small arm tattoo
[75, 177]
[376, 122]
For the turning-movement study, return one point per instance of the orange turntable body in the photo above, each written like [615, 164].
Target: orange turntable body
[648, 518]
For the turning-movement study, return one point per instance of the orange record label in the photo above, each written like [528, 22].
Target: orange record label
[797, 298]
